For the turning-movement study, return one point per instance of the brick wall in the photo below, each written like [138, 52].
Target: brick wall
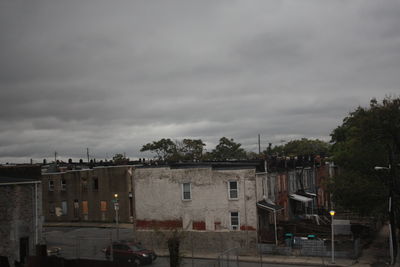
[17, 218]
[82, 189]
[199, 241]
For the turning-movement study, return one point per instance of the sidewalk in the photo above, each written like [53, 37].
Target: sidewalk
[87, 224]
[376, 255]
[277, 259]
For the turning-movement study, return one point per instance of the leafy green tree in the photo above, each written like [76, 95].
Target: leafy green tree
[228, 149]
[192, 149]
[303, 146]
[168, 150]
[368, 137]
[164, 148]
[120, 159]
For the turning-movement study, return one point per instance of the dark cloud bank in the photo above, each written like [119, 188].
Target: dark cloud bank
[112, 76]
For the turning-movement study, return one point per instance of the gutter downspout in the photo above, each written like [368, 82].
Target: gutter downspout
[257, 224]
[245, 212]
[276, 232]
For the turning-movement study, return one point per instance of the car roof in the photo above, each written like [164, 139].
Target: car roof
[125, 242]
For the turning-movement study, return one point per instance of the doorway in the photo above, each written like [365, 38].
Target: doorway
[23, 249]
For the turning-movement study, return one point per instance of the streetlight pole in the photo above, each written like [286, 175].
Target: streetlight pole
[332, 213]
[116, 207]
[391, 237]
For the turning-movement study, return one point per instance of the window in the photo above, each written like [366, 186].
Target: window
[85, 208]
[84, 184]
[233, 189]
[186, 191]
[269, 186]
[103, 206]
[52, 208]
[95, 184]
[64, 208]
[63, 185]
[279, 183]
[234, 220]
[76, 208]
[51, 185]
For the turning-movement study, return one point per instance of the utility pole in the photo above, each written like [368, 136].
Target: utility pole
[87, 154]
[116, 207]
[392, 184]
[259, 144]
[55, 156]
[392, 215]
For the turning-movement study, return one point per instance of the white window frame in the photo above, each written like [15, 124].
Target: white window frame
[229, 190]
[234, 227]
[51, 185]
[183, 192]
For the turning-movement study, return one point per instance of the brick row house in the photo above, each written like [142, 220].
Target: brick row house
[88, 195]
[208, 196]
[20, 213]
[293, 190]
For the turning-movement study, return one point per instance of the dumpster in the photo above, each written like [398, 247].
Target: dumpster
[289, 239]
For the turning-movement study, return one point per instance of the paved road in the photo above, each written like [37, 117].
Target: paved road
[88, 243]
[164, 262]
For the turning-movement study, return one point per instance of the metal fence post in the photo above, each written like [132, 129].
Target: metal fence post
[78, 247]
[191, 240]
[111, 247]
[237, 258]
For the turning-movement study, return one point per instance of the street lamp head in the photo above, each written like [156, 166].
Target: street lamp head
[116, 195]
[378, 168]
[332, 213]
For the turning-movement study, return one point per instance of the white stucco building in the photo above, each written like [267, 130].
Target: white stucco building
[210, 197]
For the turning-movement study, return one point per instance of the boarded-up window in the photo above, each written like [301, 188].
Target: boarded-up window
[64, 207]
[95, 184]
[85, 208]
[52, 208]
[51, 185]
[103, 206]
[84, 184]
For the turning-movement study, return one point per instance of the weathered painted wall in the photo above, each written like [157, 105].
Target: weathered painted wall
[199, 241]
[159, 198]
[80, 186]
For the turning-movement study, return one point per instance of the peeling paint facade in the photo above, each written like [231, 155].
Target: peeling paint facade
[88, 195]
[220, 199]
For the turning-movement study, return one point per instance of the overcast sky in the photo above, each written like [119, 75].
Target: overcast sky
[114, 75]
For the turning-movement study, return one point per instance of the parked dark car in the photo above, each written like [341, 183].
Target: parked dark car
[127, 251]
[53, 251]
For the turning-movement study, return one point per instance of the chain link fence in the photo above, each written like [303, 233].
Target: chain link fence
[198, 249]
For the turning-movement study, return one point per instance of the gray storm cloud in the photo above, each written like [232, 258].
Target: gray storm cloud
[112, 76]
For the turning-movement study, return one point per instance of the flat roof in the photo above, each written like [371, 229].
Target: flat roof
[17, 180]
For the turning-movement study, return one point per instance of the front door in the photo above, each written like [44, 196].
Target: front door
[23, 249]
